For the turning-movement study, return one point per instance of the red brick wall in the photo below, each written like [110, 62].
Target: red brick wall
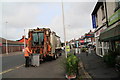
[11, 49]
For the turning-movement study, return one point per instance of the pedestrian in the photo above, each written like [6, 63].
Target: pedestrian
[94, 49]
[79, 50]
[76, 50]
[86, 52]
[27, 54]
[89, 50]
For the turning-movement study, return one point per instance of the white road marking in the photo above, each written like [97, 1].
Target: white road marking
[6, 71]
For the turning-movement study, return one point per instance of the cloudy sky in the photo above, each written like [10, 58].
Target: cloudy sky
[28, 15]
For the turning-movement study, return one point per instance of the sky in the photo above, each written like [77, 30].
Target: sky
[30, 15]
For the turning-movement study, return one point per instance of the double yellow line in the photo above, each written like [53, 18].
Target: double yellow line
[6, 71]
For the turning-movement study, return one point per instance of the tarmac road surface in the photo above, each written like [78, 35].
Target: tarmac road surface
[13, 67]
[12, 61]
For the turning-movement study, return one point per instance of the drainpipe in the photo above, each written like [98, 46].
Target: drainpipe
[107, 23]
[106, 14]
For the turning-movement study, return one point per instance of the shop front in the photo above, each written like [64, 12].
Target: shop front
[101, 47]
[112, 33]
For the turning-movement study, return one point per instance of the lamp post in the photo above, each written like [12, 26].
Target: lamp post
[64, 29]
[6, 39]
[24, 40]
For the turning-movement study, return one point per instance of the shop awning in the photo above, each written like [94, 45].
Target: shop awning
[112, 33]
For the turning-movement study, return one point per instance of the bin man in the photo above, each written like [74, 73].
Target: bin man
[27, 54]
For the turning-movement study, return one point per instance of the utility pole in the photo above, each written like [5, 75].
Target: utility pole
[6, 39]
[24, 39]
[64, 29]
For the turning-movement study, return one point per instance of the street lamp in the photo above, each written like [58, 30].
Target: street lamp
[24, 40]
[6, 39]
[64, 29]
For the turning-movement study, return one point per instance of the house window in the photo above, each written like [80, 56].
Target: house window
[103, 12]
[117, 4]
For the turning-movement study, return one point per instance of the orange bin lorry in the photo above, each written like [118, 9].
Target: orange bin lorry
[44, 42]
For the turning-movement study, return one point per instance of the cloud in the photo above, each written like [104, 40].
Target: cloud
[19, 16]
[22, 16]
[77, 19]
[50, 0]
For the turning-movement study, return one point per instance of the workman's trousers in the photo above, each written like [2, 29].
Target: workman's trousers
[27, 61]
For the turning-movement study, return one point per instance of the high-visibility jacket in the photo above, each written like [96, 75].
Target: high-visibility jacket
[68, 48]
[49, 47]
[27, 52]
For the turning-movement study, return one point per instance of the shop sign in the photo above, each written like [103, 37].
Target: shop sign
[0, 44]
[82, 41]
[115, 17]
[99, 31]
[94, 21]
[89, 35]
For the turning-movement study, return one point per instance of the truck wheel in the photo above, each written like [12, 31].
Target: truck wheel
[40, 59]
[60, 54]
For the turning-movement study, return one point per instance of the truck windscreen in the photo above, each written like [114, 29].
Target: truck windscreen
[38, 38]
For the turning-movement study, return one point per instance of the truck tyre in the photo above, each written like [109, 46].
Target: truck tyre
[40, 59]
[60, 54]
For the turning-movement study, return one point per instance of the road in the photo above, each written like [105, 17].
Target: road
[13, 68]
[12, 61]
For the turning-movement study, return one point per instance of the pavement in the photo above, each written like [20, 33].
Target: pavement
[83, 74]
[96, 68]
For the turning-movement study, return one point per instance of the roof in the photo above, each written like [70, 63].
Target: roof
[97, 7]
[2, 40]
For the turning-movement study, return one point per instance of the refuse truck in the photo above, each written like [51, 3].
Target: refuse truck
[44, 42]
[58, 46]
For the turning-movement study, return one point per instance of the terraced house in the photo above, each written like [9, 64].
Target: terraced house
[106, 21]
